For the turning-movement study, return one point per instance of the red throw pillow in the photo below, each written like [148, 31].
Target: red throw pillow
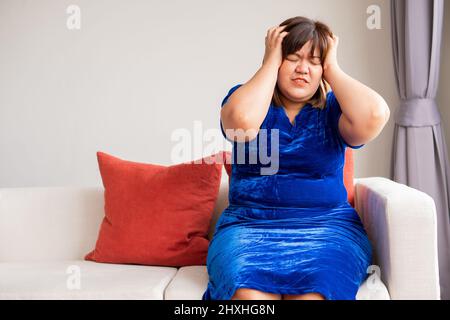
[348, 172]
[349, 175]
[154, 214]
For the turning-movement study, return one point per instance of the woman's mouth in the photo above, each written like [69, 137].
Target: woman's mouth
[300, 82]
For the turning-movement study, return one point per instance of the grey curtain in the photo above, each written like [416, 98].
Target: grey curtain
[420, 158]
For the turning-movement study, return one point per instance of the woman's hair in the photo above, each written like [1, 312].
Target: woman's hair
[301, 30]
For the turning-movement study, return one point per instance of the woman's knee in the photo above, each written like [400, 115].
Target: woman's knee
[305, 296]
[252, 294]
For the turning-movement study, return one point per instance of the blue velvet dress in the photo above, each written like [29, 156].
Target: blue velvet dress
[293, 231]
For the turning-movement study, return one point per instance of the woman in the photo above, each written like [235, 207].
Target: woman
[293, 234]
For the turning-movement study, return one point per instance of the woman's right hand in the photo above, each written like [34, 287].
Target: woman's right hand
[274, 39]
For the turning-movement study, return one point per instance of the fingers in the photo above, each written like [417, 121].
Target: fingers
[333, 37]
[273, 30]
[278, 30]
[269, 32]
[282, 35]
[275, 35]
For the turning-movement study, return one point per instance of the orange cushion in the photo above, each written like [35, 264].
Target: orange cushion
[349, 175]
[348, 172]
[156, 215]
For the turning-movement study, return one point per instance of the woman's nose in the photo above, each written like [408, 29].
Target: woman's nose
[302, 67]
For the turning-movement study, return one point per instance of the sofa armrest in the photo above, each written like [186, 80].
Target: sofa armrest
[401, 224]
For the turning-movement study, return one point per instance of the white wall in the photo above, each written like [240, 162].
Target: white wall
[138, 70]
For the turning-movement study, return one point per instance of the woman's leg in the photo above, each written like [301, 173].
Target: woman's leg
[252, 294]
[306, 296]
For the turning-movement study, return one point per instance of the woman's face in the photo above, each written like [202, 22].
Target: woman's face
[300, 64]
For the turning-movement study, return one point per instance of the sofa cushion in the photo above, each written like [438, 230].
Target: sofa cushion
[97, 281]
[188, 284]
[191, 282]
[154, 214]
[49, 223]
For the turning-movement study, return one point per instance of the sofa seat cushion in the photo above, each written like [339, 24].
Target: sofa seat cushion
[58, 280]
[190, 283]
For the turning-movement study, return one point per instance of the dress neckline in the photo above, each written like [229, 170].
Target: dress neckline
[296, 118]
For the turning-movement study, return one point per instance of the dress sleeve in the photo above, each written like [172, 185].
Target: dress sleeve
[334, 114]
[223, 102]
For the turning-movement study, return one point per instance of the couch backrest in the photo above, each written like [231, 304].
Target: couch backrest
[56, 223]
[59, 223]
[221, 203]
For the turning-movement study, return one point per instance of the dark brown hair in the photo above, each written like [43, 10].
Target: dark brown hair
[300, 31]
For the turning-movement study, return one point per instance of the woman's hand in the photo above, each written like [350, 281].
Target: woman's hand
[331, 58]
[274, 38]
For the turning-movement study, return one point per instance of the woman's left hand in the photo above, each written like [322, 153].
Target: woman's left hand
[331, 58]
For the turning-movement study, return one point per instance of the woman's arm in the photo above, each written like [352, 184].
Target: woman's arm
[247, 107]
[364, 111]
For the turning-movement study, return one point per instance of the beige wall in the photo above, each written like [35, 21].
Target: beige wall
[443, 95]
[137, 71]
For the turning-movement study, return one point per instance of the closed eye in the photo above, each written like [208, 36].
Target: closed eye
[294, 58]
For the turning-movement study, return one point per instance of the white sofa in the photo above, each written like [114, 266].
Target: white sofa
[46, 232]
